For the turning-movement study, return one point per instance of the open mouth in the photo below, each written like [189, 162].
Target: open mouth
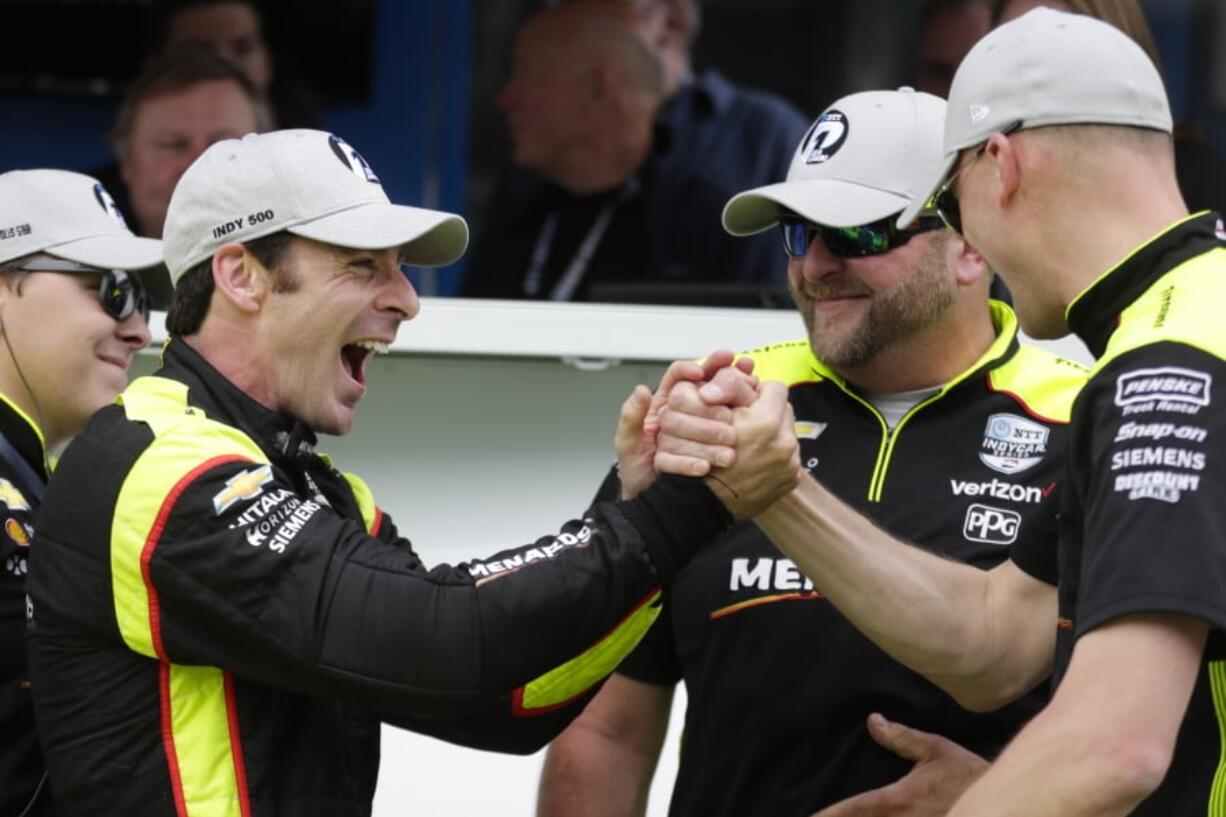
[354, 357]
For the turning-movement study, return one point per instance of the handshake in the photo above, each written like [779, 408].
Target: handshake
[713, 420]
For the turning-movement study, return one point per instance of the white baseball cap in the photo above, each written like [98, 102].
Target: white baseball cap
[71, 216]
[864, 159]
[1048, 68]
[308, 182]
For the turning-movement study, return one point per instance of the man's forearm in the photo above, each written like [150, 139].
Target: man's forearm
[944, 619]
[584, 774]
[1051, 770]
[602, 766]
[1105, 741]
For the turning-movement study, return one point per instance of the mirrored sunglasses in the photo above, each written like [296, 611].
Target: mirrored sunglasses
[852, 242]
[120, 292]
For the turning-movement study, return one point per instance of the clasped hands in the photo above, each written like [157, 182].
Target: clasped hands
[714, 420]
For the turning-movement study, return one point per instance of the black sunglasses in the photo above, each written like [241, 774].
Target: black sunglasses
[120, 292]
[945, 202]
[851, 242]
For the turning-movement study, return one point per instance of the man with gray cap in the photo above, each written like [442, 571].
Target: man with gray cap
[1058, 167]
[908, 392]
[221, 618]
[75, 291]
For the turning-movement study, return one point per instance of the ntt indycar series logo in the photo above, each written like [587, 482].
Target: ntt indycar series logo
[1011, 444]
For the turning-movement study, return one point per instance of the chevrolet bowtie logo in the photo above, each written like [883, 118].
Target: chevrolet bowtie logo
[808, 430]
[244, 485]
[11, 497]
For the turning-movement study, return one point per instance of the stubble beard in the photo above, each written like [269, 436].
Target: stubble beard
[893, 315]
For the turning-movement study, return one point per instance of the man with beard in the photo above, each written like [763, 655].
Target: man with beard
[917, 406]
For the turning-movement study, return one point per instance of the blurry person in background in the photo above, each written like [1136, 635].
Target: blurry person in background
[547, 235]
[947, 30]
[235, 31]
[181, 103]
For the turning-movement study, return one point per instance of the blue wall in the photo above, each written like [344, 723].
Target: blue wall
[414, 132]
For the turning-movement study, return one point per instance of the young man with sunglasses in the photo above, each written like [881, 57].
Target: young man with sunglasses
[221, 618]
[75, 292]
[1059, 167]
[914, 403]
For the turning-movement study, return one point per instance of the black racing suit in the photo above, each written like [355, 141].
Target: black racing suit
[22, 477]
[1143, 522]
[221, 619]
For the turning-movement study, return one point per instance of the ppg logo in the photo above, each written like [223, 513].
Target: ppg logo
[352, 159]
[992, 526]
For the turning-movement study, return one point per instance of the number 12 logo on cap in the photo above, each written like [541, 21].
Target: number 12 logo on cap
[825, 138]
[352, 159]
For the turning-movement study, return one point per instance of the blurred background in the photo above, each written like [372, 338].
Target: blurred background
[413, 83]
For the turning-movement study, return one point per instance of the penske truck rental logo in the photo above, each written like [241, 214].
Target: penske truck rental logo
[1165, 388]
[1011, 444]
[244, 485]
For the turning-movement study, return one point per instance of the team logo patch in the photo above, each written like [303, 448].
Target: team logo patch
[1164, 386]
[108, 205]
[17, 532]
[825, 138]
[244, 485]
[991, 526]
[809, 430]
[11, 498]
[1011, 444]
[979, 113]
[353, 160]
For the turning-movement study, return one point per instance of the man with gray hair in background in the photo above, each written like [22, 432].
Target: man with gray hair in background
[623, 159]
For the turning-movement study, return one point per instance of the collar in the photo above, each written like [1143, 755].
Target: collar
[1094, 314]
[24, 435]
[222, 400]
[700, 96]
[1001, 349]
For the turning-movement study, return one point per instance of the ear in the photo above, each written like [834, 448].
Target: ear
[969, 267]
[239, 278]
[1003, 154]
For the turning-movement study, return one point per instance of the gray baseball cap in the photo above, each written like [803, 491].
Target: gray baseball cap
[71, 216]
[308, 182]
[1048, 68]
[864, 159]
